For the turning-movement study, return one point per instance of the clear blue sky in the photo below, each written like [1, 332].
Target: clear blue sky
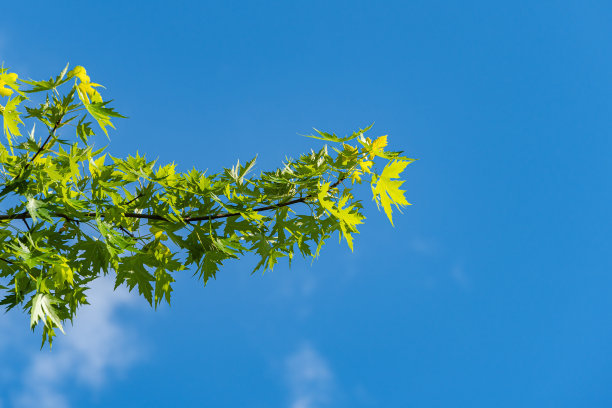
[492, 290]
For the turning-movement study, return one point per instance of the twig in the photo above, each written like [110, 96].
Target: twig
[188, 218]
[42, 146]
[25, 215]
[126, 231]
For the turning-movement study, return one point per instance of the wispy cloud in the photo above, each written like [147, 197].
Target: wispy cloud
[310, 379]
[97, 347]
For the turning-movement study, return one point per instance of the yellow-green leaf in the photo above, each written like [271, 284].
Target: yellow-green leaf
[11, 119]
[62, 274]
[378, 146]
[323, 199]
[349, 219]
[387, 190]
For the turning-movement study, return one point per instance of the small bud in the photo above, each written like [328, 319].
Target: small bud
[79, 72]
[5, 91]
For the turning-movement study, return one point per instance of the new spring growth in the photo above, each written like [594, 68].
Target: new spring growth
[86, 87]
[10, 80]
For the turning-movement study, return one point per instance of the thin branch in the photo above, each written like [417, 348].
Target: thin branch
[42, 146]
[133, 199]
[25, 215]
[67, 218]
[126, 231]
[19, 216]
[235, 214]
[10, 186]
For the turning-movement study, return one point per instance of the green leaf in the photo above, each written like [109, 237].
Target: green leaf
[264, 248]
[42, 86]
[322, 195]
[62, 274]
[333, 138]
[163, 286]
[84, 130]
[95, 256]
[37, 210]
[133, 273]
[349, 218]
[100, 112]
[11, 119]
[42, 308]
[386, 189]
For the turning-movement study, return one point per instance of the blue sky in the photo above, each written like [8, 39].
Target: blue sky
[493, 289]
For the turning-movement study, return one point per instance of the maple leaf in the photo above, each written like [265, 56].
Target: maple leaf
[349, 218]
[95, 256]
[163, 288]
[62, 274]
[378, 146]
[323, 198]
[387, 191]
[133, 273]
[42, 308]
[37, 210]
[366, 165]
[11, 119]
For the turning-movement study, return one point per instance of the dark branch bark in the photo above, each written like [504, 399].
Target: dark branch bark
[42, 146]
[25, 215]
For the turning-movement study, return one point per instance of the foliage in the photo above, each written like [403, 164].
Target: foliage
[71, 213]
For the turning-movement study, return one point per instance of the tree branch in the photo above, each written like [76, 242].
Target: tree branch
[25, 215]
[42, 146]
[7, 261]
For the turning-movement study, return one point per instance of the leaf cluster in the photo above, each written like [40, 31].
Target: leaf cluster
[71, 213]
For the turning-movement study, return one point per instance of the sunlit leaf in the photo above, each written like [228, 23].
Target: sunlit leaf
[386, 188]
[43, 308]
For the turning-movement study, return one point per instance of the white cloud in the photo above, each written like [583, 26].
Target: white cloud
[310, 379]
[94, 349]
